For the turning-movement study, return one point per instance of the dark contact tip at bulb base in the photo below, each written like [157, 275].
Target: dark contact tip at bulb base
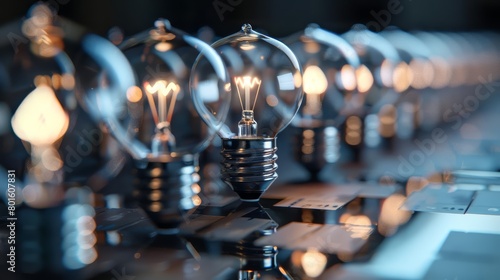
[249, 166]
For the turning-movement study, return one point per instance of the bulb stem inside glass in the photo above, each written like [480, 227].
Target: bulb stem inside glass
[247, 125]
[248, 88]
[163, 141]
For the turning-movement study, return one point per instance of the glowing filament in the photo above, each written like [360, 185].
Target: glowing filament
[247, 88]
[247, 84]
[162, 90]
[315, 85]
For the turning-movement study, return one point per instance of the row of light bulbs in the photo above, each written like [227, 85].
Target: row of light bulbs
[150, 91]
[246, 87]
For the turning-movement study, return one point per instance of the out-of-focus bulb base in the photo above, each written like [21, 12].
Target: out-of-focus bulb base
[315, 147]
[249, 166]
[166, 191]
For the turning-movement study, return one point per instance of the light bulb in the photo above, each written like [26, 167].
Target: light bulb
[261, 100]
[140, 92]
[37, 89]
[329, 83]
[387, 75]
[39, 95]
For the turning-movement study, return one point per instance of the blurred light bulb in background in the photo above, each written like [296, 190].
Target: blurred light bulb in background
[330, 67]
[388, 77]
[38, 90]
[261, 99]
[140, 92]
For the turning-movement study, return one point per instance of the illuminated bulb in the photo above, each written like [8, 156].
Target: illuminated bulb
[40, 119]
[313, 262]
[162, 111]
[364, 79]
[38, 88]
[329, 82]
[315, 85]
[260, 101]
[140, 92]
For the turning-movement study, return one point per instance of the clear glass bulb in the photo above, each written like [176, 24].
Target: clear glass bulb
[329, 80]
[142, 93]
[262, 98]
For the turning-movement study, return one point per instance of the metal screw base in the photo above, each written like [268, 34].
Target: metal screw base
[249, 166]
[166, 191]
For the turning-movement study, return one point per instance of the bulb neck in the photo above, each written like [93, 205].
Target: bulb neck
[167, 190]
[247, 127]
[249, 166]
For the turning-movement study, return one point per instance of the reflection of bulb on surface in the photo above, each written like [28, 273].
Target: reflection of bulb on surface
[364, 79]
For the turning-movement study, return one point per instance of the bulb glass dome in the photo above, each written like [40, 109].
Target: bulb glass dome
[329, 75]
[262, 97]
[141, 92]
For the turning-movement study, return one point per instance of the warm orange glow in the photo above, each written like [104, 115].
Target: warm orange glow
[353, 130]
[247, 47]
[364, 78]
[315, 81]
[51, 159]
[414, 184]
[402, 77]
[196, 200]
[163, 46]
[423, 73]
[391, 216]
[311, 47]
[358, 220]
[313, 263]
[162, 89]
[246, 87]
[271, 100]
[196, 188]
[386, 72]
[40, 119]
[42, 80]
[347, 78]
[134, 94]
[297, 79]
[315, 84]
[68, 81]
[387, 118]
[155, 207]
